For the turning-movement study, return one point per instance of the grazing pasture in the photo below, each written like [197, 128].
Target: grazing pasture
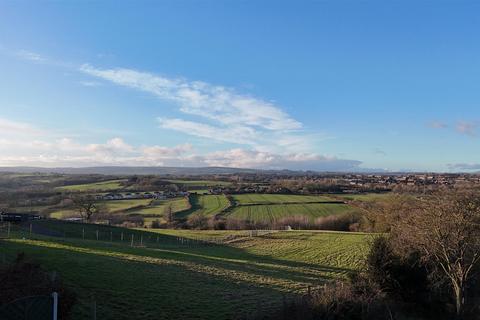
[271, 213]
[168, 280]
[208, 205]
[200, 183]
[97, 186]
[259, 198]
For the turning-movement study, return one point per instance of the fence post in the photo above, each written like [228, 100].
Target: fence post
[8, 230]
[83, 233]
[157, 239]
[30, 230]
[55, 305]
[141, 240]
[94, 309]
[111, 236]
[97, 234]
[132, 241]
[121, 238]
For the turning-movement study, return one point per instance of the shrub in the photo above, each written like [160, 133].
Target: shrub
[23, 278]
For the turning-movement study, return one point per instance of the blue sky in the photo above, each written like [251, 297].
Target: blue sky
[325, 85]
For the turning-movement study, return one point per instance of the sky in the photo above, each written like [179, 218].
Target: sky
[304, 85]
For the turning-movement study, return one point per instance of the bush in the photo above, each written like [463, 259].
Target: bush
[23, 278]
[197, 221]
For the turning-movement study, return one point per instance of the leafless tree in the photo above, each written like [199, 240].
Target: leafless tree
[168, 214]
[86, 206]
[445, 229]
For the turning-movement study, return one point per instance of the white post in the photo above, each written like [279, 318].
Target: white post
[55, 305]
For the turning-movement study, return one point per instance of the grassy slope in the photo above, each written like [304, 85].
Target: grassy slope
[110, 205]
[178, 282]
[98, 186]
[206, 204]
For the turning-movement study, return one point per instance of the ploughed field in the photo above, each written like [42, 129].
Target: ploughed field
[181, 274]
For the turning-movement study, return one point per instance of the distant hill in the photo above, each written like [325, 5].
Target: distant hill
[117, 170]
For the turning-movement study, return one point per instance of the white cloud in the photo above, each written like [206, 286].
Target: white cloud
[468, 128]
[202, 99]
[28, 55]
[40, 148]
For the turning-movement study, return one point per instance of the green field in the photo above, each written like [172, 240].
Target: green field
[257, 198]
[97, 186]
[175, 281]
[158, 207]
[200, 183]
[271, 213]
[110, 205]
[208, 205]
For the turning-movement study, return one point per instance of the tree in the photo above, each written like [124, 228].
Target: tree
[86, 206]
[445, 230]
[168, 213]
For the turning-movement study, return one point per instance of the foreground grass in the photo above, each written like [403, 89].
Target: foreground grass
[171, 281]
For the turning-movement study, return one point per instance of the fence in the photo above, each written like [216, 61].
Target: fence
[111, 235]
[31, 308]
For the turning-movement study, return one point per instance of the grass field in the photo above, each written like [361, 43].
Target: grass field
[111, 206]
[208, 205]
[171, 281]
[200, 183]
[97, 186]
[270, 207]
[257, 198]
[271, 213]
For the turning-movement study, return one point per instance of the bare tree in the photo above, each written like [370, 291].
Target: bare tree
[446, 231]
[168, 213]
[86, 206]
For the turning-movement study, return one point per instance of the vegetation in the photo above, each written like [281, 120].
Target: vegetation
[214, 282]
[95, 186]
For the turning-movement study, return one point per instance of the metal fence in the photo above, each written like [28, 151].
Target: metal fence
[31, 308]
[126, 237]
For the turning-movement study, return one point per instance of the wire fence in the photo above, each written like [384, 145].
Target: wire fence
[121, 236]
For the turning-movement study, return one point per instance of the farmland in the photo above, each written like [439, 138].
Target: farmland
[186, 282]
[253, 198]
[268, 208]
[271, 213]
[97, 186]
[208, 205]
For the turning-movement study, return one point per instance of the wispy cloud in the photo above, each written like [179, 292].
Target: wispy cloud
[464, 166]
[29, 55]
[468, 128]
[202, 99]
[42, 148]
[437, 125]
